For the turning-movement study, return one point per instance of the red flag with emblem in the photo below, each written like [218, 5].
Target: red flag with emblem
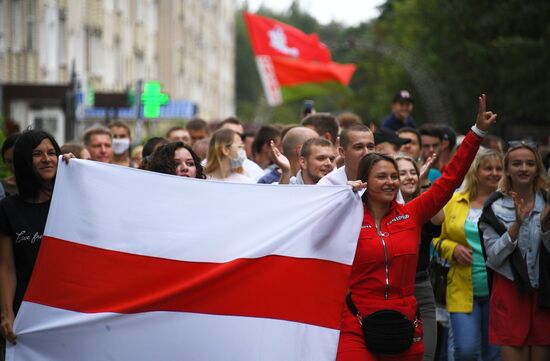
[292, 64]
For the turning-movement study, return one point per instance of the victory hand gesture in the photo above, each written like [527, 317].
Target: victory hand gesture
[484, 118]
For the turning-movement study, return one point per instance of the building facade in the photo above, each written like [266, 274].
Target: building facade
[197, 53]
[187, 45]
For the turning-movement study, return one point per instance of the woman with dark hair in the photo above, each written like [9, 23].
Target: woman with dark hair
[10, 187]
[380, 321]
[148, 149]
[515, 225]
[176, 158]
[23, 218]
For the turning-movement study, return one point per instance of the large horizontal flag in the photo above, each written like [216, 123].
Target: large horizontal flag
[136, 265]
[292, 64]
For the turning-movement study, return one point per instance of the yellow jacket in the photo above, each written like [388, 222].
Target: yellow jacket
[460, 290]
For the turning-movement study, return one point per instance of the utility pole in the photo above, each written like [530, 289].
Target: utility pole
[139, 115]
[70, 101]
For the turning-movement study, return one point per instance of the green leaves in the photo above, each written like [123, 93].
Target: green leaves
[454, 49]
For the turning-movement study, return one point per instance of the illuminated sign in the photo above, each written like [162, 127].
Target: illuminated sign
[152, 98]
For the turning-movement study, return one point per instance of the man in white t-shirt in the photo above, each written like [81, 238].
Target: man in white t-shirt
[316, 161]
[355, 142]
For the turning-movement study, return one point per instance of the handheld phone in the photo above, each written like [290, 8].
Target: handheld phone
[308, 107]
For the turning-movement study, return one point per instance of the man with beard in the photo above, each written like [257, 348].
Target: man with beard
[316, 161]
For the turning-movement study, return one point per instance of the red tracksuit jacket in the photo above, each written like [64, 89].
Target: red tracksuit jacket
[384, 269]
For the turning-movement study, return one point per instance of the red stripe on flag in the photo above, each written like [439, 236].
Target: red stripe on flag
[87, 279]
[294, 72]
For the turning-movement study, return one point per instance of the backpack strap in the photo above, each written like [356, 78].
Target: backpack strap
[519, 266]
[544, 270]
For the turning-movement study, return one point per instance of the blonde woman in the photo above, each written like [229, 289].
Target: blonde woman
[226, 156]
[517, 242]
[467, 288]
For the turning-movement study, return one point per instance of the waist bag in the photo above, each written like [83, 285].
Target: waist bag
[385, 331]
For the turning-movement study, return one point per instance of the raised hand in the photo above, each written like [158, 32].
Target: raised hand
[278, 158]
[484, 118]
[425, 170]
[519, 205]
[521, 213]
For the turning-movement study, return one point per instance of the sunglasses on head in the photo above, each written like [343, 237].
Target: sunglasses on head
[519, 143]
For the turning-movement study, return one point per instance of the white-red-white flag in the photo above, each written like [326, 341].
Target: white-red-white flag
[137, 265]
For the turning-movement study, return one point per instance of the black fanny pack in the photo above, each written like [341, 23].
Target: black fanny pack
[385, 331]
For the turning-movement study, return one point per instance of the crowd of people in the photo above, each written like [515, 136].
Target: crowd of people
[486, 209]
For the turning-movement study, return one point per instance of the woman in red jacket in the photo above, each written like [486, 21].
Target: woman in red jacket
[383, 271]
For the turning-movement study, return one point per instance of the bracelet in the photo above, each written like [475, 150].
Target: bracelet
[479, 132]
[425, 186]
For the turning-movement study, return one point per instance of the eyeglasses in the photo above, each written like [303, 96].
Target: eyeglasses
[513, 144]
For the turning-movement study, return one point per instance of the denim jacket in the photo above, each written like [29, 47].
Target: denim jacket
[498, 248]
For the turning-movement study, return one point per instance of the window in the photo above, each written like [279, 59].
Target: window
[31, 26]
[61, 39]
[3, 25]
[16, 20]
[94, 51]
[139, 11]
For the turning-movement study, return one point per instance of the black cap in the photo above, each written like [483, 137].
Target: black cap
[388, 135]
[449, 134]
[403, 96]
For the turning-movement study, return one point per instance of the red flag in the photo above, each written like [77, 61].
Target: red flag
[273, 38]
[293, 64]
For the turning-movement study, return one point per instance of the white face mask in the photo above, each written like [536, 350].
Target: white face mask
[239, 161]
[120, 145]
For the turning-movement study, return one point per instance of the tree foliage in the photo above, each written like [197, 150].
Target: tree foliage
[460, 49]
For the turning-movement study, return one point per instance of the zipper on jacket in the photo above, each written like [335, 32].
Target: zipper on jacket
[386, 262]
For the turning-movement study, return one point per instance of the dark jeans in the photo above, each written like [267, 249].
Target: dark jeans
[2, 348]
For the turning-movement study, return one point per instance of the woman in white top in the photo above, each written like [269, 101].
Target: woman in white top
[226, 155]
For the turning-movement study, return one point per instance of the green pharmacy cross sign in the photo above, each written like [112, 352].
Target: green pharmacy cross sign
[152, 99]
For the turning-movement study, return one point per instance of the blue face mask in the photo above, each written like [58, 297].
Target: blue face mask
[238, 162]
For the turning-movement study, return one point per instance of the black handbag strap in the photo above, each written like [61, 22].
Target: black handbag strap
[353, 308]
[437, 256]
[355, 311]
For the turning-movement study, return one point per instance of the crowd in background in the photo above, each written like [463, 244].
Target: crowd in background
[494, 231]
